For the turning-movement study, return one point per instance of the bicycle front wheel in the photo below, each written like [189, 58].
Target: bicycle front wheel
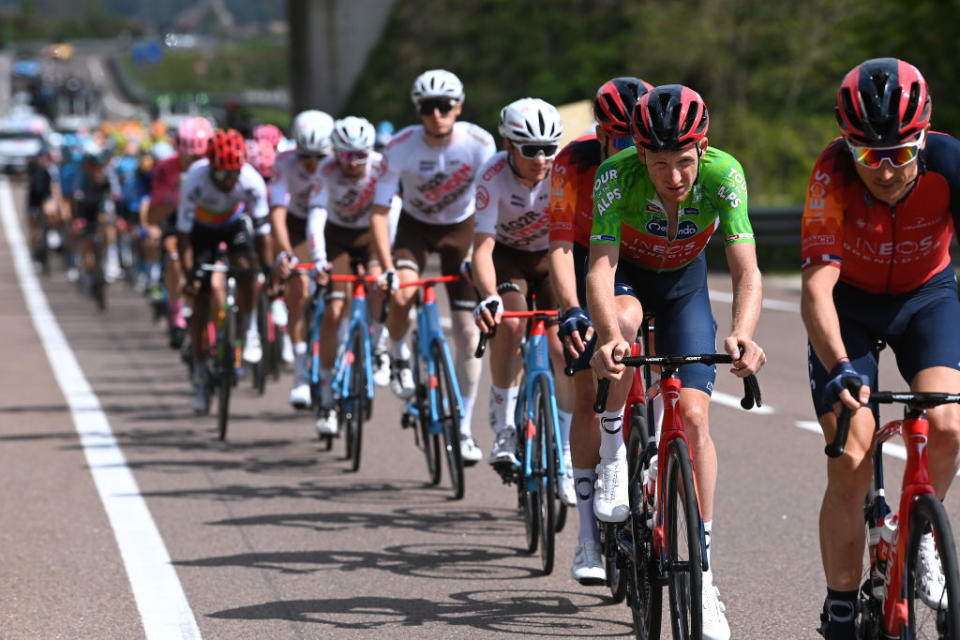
[682, 522]
[448, 414]
[226, 355]
[545, 461]
[353, 403]
[430, 442]
[259, 377]
[933, 606]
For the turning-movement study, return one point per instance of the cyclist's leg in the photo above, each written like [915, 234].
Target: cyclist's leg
[339, 257]
[409, 257]
[506, 361]
[453, 246]
[927, 347]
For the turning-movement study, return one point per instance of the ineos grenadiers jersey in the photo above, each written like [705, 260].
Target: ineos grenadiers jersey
[879, 248]
[510, 210]
[627, 211]
[292, 186]
[203, 204]
[571, 191]
[438, 183]
[347, 201]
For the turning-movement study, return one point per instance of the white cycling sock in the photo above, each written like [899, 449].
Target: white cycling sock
[611, 434]
[381, 338]
[466, 424]
[399, 349]
[563, 421]
[584, 480]
[503, 407]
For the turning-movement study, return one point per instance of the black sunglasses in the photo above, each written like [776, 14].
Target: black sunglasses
[443, 105]
[532, 150]
[306, 155]
[225, 175]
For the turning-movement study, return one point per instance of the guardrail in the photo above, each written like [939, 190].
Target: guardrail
[776, 226]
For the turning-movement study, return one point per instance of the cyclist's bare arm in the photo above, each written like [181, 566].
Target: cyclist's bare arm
[160, 211]
[278, 220]
[603, 309]
[747, 299]
[380, 230]
[563, 279]
[484, 273]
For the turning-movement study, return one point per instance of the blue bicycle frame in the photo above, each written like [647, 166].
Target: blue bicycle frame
[429, 331]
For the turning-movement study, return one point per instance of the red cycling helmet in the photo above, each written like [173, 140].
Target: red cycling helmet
[227, 150]
[883, 102]
[671, 117]
[614, 102]
[269, 132]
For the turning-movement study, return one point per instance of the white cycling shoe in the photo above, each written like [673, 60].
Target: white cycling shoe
[300, 396]
[931, 584]
[587, 567]
[381, 368]
[504, 451]
[252, 351]
[327, 423]
[470, 453]
[715, 626]
[610, 500]
[401, 379]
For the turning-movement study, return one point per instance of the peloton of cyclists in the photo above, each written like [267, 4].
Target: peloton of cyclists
[435, 164]
[655, 207]
[877, 226]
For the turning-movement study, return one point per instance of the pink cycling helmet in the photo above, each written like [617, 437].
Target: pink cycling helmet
[262, 155]
[269, 132]
[193, 136]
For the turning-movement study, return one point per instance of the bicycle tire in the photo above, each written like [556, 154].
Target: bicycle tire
[353, 404]
[428, 441]
[545, 471]
[227, 361]
[644, 586]
[682, 523]
[526, 499]
[924, 621]
[259, 377]
[448, 413]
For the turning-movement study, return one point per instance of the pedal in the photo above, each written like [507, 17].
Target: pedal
[507, 471]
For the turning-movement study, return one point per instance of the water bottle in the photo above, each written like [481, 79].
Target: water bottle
[882, 541]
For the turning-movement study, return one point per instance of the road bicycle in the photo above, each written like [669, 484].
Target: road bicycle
[540, 464]
[353, 369]
[224, 341]
[269, 337]
[436, 408]
[893, 602]
[662, 540]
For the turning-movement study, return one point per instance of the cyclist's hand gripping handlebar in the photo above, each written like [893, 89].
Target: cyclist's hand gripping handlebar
[482, 344]
[835, 448]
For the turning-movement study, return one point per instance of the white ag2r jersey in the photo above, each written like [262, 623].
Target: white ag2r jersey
[510, 210]
[292, 187]
[347, 201]
[438, 182]
[202, 203]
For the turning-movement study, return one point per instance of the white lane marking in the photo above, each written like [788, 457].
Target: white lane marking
[160, 598]
[728, 400]
[773, 305]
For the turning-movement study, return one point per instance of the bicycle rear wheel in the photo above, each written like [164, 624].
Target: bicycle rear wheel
[933, 611]
[682, 522]
[259, 377]
[448, 414]
[640, 571]
[226, 355]
[545, 461]
[352, 405]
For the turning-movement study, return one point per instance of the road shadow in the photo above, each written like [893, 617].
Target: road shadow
[532, 613]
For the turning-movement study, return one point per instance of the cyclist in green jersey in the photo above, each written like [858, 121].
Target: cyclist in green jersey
[655, 207]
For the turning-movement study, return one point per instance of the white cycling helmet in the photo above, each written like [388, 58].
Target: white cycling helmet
[311, 130]
[353, 134]
[437, 83]
[530, 120]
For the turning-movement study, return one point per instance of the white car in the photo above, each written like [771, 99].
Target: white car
[23, 134]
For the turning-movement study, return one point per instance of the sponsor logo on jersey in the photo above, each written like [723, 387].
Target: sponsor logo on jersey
[483, 197]
[816, 203]
[689, 211]
[496, 168]
[607, 176]
[739, 236]
[687, 229]
[604, 199]
[427, 166]
[603, 238]
[653, 208]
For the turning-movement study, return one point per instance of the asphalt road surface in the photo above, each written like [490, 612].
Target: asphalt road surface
[137, 522]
